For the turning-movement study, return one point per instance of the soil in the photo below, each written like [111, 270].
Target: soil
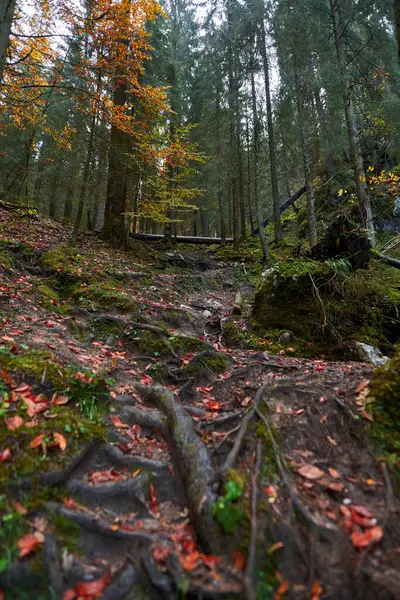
[131, 511]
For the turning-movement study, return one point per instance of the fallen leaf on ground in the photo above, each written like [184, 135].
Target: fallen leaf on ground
[14, 422]
[60, 440]
[363, 540]
[238, 560]
[37, 441]
[116, 421]
[334, 473]
[310, 472]
[89, 589]
[29, 542]
[5, 455]
[316, 591]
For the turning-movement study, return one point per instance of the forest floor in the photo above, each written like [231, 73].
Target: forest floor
[247, 474]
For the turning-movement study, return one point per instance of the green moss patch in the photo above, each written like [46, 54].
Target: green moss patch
[326, 302]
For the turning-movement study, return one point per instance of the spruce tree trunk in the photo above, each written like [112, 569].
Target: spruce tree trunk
[7, 10]
[351, 124]
[271, 139]
[85, 180]
[114, 214]
[256, 150]
[306, 155]
[397, 23]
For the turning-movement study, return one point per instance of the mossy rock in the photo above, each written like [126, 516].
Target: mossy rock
[207, 364]
[153, 345]
[103, 294]
[385, 388]
[322, 302]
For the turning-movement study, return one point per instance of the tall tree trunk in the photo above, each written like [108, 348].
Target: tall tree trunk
[397, 23]
[351, 124]
[85, 180]
[221, 202]
[7, 11]
[53, 193]
[232, 104]
[329, 166]
[248, 152]
[271, 138]
[306, 153]
[256, 150]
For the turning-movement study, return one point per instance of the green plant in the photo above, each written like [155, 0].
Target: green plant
[227, 513]
[11, 529]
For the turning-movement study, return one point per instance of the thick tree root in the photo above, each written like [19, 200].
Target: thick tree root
[119, 459]
[145, 418]
[53, 567]
[102, 527]
[123, 584]
[195, 464]
[130, 489]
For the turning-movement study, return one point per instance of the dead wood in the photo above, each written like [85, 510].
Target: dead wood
[194, 460]
[119, 459]
[284, 206]
[392, 262]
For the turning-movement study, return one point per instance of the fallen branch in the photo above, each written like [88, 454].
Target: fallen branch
[195, 462]
[249, 586]
[284, 206]
[393, 262]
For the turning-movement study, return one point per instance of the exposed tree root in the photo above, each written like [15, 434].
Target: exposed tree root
[123, 584]
[53, 567]
[119, 459]
[132, 489]
[144, 418]
[249, 585]
[101, 527]
[195, 464]
[317, 528]
[232, 456]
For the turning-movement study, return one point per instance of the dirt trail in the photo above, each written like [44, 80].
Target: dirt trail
[245, 475]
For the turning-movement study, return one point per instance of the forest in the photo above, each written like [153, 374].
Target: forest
[199, 299]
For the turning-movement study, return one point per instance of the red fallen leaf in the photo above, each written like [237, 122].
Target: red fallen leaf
[69, 503]
[190, 561]
[316, 591]
[213, 406]
[160, 555]
[23, 388]
[116, 421]
[298, 411]
[238, 560]
[210, 560]
[5, 455]
[6, 378]
[333, 473]
[37, 441]
[34, 408]
[336, 487]
[146, 380]
[153, 502]
[14, 422]
[310, 472]
[60, 440]
[69, 595]
[363, 540]
[29, 542]
[362, 386]
[60, 400]
[281, 591]
[363, 511]
[93, 588]
[362, 521]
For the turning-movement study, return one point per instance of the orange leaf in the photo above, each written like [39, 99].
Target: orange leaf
[334, 473]
[37, 441]
[316, 591]
[190, 561]
[14, 422]
[60, 439]
[5, 455]
[60, 400]
[363, 540]
[93, 588]
[116, 421]
[310, 472]
[29, 542]
[238, 560]
[69, 595]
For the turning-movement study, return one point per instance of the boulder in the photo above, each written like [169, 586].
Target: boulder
[370, 354]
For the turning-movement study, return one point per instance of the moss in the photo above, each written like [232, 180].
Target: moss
[68, 533]
[152, 344]
[211, 363]
[6, 259]
[362, 305]
[102, 294]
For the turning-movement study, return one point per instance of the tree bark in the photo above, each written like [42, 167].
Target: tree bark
[271, 138]
[351, 124]
[397, 23]
[306, 153]
[7, 11]
[256, 126]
